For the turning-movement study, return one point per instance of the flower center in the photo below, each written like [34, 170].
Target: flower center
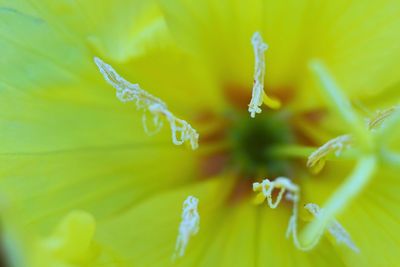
[254, 140]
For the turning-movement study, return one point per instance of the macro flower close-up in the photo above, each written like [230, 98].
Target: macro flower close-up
[222, 133]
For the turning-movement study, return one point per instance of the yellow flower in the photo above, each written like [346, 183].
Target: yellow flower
[83, 184]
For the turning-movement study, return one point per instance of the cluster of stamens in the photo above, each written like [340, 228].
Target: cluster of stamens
[323, 218]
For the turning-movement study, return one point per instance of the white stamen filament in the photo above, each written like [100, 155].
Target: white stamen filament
[258, 94]
[127, 92]
[189, 225]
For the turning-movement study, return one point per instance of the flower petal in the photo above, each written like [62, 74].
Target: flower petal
[42, 187]
[145, 234]
[119, 29]
[377, 208]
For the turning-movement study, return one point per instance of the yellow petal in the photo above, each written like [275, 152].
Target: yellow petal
[232, 242]
[377, 236]
[70, 244]
[145, 234]
[119, 30]
[42, 187]
[355, 39]
[219, 33]
[357, 42]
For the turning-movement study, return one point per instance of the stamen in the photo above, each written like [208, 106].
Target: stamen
[189, 225]
[265, 189]
[380, 117]
[334, 227]
[316, 161]
[126, 92]
[258, 94]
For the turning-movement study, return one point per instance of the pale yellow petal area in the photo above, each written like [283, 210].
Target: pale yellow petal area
[373, 222]
[386, 98]
[116, 29]
[232, 240]
[69, 243]
[145, 234]
[182, 81]
[103, 181]
[356, 39]
[218, 32]
[316, 188]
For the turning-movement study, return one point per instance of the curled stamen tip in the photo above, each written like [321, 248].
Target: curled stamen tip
[266, 188]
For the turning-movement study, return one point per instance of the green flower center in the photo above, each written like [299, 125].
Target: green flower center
[254, 140]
